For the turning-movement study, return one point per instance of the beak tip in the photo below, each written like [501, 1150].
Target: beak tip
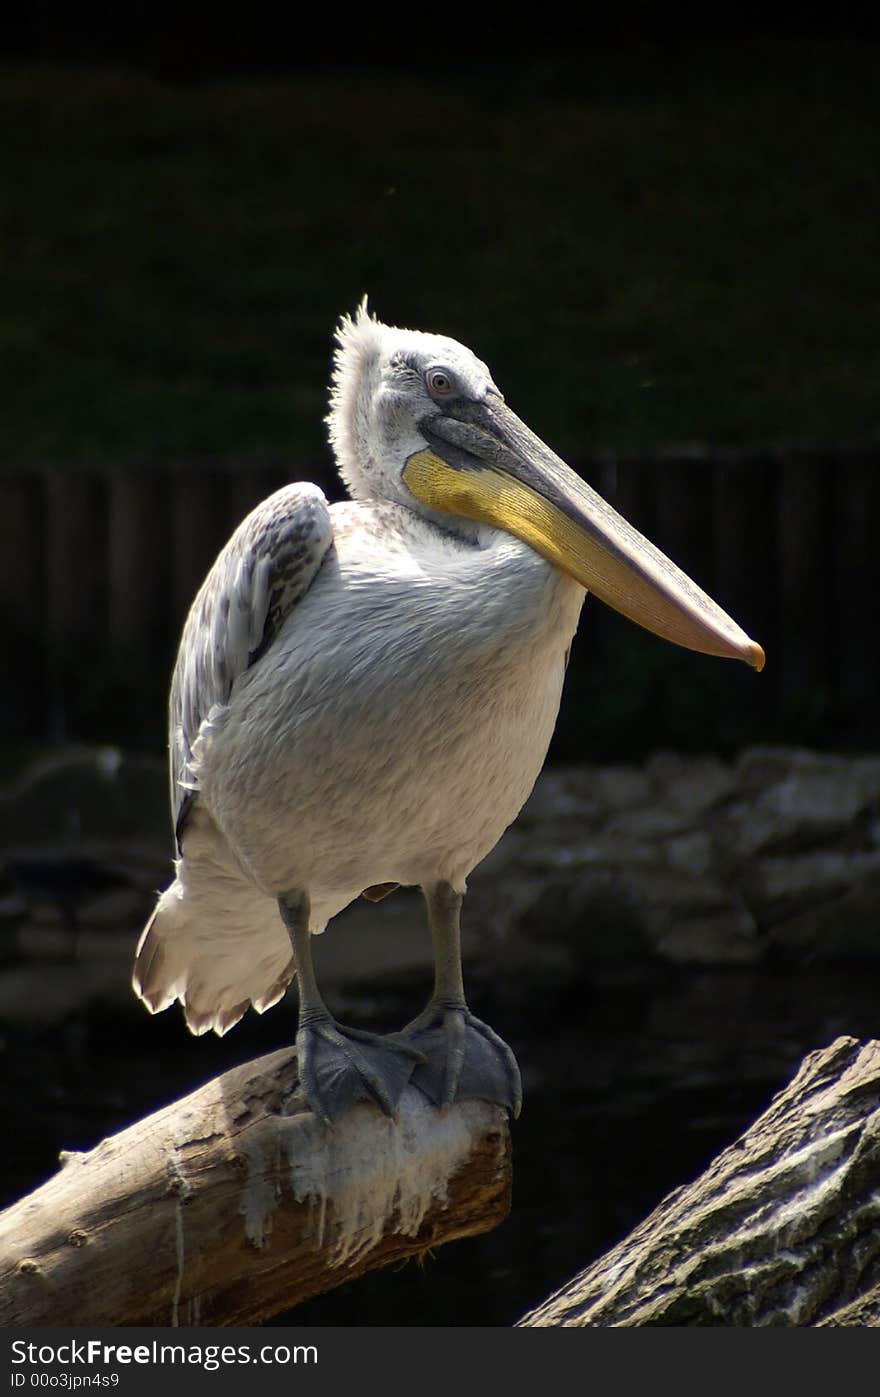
[755, 656]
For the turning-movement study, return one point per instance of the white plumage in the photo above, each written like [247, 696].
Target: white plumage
[364, 693]
[390, 735]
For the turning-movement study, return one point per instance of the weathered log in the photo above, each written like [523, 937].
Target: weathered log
[218, 1211]
[781, 1229]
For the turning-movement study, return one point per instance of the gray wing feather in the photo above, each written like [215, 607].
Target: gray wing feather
[257, 579]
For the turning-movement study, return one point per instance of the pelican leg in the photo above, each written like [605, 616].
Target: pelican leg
[339, 1065]
[465, 1057]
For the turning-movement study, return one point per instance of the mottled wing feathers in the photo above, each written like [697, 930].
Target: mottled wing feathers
[260, 575]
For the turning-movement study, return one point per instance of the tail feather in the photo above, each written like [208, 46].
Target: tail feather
[216, 965]
[215, 943]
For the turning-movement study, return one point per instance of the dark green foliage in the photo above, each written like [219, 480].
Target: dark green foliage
[646, 250]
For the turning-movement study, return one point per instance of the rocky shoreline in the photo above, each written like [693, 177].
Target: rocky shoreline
[683, 860]
[695, 860]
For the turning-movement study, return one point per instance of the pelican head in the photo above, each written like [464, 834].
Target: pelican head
[416, 418]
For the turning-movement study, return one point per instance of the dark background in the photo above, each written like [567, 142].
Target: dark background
[664, 240]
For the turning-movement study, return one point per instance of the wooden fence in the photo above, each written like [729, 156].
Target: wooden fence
[99, 567]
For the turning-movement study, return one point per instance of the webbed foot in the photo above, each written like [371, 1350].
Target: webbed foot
[339, 1065]
[465, 1059]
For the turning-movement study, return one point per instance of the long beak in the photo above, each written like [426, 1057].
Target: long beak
[484, 463]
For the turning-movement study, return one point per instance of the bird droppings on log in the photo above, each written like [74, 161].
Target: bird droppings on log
[177, 1181]
[360, 1177]
[261, 1193]
[363, 1182]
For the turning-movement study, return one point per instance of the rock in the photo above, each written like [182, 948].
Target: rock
[723, 937]
[564, 795]
[621, 787]
[810, 795]
[690, 784]
[690, 860]
[648, 822]
[86, 795]
[693, 852]
[780, 887]
[845, 927]
[809, 806]
[757, 768]
[610, 847]
[695, 919]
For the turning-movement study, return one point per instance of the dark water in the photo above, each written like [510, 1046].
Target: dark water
[634, 1079]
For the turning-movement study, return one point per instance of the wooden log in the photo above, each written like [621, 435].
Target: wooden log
[219, 1211]
[781, 1229]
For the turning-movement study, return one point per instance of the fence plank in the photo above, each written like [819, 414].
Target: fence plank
[635, 492]
[683, 528]
[628, 484]
[23, 599]
[803, 512]
[95, 562]
[856, 492]
[248, 485]
[199, 513]
[76, 585]
[745, 545]
[139, 551]
[597, 629]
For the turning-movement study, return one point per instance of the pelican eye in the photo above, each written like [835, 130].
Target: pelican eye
[439, 382]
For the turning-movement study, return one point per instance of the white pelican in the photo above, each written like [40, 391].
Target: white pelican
[364, 696]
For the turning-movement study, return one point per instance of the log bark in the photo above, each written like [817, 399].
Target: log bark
[219, 1211]
[781, 1229]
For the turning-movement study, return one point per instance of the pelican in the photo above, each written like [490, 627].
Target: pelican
[364, 696]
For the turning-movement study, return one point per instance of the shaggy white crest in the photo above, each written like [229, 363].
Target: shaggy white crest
[378, 395]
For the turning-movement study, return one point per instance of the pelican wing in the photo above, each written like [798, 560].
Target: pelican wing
[259, 576]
